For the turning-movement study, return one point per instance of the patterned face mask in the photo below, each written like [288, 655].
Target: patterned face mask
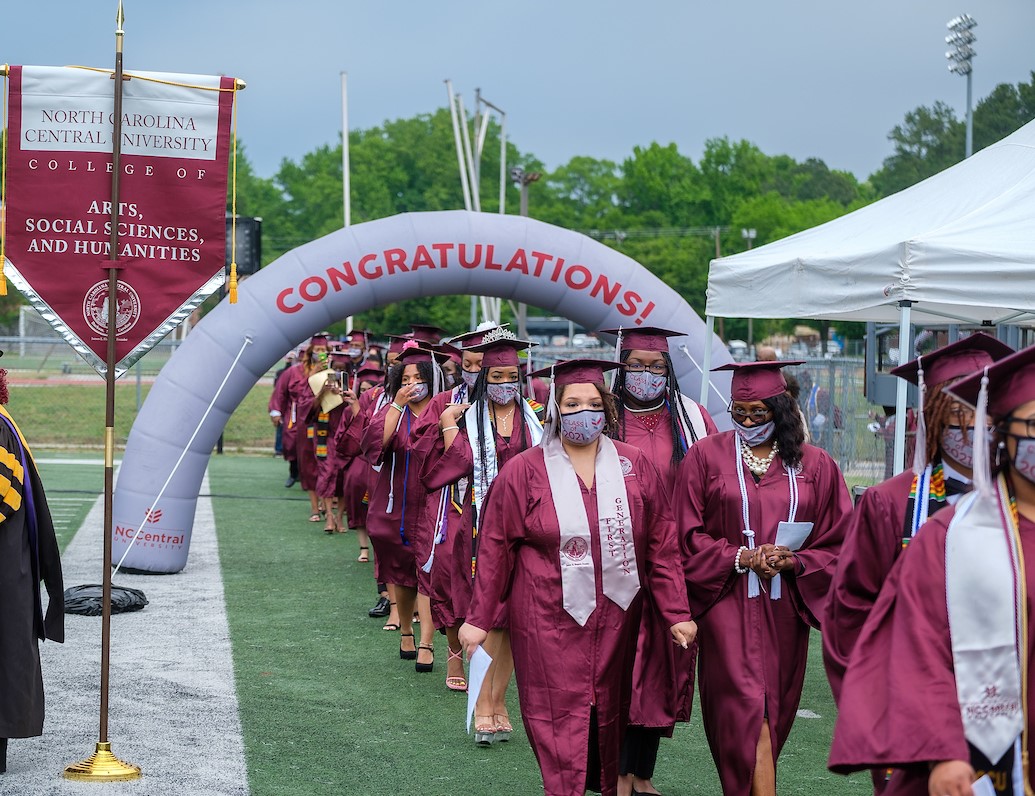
[956, 447]
[645, 386]
[582, 427]
[1024, 460]
[469, 377]
[503, 394]
[755, 435]
[420, 392]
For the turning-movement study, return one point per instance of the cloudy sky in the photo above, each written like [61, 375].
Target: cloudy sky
[809, 78]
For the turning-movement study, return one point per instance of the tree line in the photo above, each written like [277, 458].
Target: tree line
[658, 206]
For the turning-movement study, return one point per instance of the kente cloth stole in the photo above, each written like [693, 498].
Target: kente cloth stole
[321, 429]
[930, 482]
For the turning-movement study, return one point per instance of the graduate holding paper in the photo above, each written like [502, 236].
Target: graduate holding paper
[759, 514]
[573, 531]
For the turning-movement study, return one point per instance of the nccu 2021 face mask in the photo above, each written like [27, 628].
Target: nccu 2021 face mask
[1024, 461]
[956, 447]
[503, 394]
[420, 392]
[582, 427]
[755, 435]
[645, 386]
[469, 377]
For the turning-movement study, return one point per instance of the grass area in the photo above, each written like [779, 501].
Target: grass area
[72, 415]
[72, 486]
[327, 706]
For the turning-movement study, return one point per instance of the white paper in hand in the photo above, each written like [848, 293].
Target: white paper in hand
[983, 787]
[791, 535]
[478, 667]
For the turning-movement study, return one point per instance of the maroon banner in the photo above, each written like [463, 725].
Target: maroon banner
[175, 145]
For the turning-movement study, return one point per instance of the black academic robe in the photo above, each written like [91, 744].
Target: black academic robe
[22, 567]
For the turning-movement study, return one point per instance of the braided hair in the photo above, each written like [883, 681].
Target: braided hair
[479, 397]
[677, 414]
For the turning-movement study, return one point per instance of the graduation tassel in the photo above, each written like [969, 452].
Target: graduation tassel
[982, 456]
[920, 441]
[618, 358]
[233, 210]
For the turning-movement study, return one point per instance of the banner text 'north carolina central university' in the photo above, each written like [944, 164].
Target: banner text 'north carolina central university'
[175, 144]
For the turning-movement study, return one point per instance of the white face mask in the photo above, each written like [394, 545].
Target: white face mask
[503, 394]
[582, 427]
[353, 352]
[755, 435]
[420, 392]
[1024, 461]
[956, 448]
[469, 377]
[645, 386]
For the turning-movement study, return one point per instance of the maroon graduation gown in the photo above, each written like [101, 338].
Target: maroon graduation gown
[753, 651]
[452, 576]
[330, 469]
[898, 702]
[359, 476]
[402, 538]
[663, 686]
[563, 670]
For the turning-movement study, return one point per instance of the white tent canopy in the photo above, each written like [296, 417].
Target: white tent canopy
[960, 246]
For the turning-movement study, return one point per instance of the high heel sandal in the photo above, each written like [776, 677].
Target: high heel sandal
[392, 626]
[484, 730]
[406, 655]
[456, 683]
[364, 554]
[503, 727]
[424, 668]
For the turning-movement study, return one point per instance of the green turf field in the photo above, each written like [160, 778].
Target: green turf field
[327, 706]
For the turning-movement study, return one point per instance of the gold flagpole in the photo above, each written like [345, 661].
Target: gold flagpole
[102, 765]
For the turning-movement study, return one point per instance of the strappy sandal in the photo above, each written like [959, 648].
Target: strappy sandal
[407, 655]
[484, 730]
[425, 668]
[456, 683]
[315, 517]
[503, 727]
[392, 626]
[364, 554]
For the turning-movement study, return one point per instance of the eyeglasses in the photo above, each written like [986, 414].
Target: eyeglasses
[757, 415]
[1029, 424]
[659, 369]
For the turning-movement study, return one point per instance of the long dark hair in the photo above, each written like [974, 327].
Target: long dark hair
[789, 432]
[393, 381]
[480, 397]
[676, 412]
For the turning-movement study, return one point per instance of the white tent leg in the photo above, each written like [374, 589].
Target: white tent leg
[904, 355]
[706, 365]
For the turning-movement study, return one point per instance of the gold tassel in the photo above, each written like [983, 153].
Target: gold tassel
[233, 282]
[233, 205]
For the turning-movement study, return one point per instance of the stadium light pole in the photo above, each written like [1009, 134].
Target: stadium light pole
[523, 179]
[749, 235]
[961, 38]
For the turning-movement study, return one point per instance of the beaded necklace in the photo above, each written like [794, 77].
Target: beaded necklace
[756, 465]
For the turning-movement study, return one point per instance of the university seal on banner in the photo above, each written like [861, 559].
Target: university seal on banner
[576, 549]
[96, 308]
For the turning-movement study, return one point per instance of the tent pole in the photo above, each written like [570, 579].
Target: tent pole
[904, 356]
[706, 364]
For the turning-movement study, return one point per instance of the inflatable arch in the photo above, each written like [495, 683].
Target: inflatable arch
[349, 271]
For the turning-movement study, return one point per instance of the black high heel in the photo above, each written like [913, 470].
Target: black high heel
[424, 668]
[407, 655]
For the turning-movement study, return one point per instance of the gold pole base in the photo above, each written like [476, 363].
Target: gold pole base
[102, 766]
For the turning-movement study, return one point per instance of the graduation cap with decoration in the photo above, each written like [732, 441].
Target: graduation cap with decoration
[475, 337]
[501, 348]
[946, 364]
[413, 353]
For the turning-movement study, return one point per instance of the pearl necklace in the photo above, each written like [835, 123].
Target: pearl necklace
[504, 419]
[755, 464]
